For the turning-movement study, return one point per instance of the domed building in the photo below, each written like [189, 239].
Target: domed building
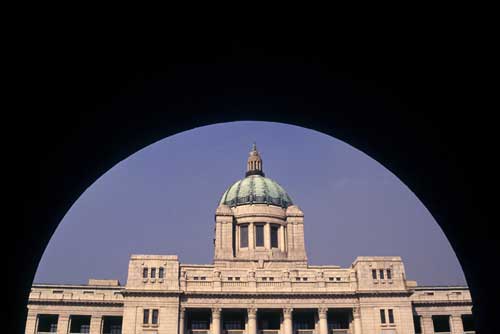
[260, 281]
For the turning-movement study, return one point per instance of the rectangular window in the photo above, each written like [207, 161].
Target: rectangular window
[243, 236]
[374, 273]
[271, 278]
[79, 323]
[274, 236]
[195, 278]
[416, 324]
[203, 278]
[145, 273]
[145, 316]
[237, 278]
[259, 235]
[229, 278]
[389, 274]
[154, 317]
[199, 324]
[391, 316]
[153, 272]
[382, 316]
[441, 323]
[47, 323]
[468, 322]
[161, 272]
[381, 273]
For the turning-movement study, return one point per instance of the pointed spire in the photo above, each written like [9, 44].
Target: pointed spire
[254, 163]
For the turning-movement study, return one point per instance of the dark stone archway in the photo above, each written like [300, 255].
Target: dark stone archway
[95, 104]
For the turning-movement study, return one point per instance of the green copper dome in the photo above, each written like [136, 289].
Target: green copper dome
[256, 189]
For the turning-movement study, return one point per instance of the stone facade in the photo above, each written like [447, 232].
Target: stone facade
[260, 282]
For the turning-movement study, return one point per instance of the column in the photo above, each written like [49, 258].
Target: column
[287, 321]
[426, 324]
[95, 324]
[63, 324]
[182, 313]
[323, 322]
[216, 321]
[31, 322]
[251, 236]
[252, 320]
[457, 327]
[357, 320]
[282, 238]
[267, 236]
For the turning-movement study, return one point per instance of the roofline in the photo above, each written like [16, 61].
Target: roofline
[77, 286]
[441, 287]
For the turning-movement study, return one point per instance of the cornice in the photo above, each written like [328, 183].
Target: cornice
[135, 293]
[263, 295]
[431, 303]
[101, 303]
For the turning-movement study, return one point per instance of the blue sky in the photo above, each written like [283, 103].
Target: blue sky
[162, 200]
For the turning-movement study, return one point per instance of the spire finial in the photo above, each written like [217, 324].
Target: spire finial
[254, 163]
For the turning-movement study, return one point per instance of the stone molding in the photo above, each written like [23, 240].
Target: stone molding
[102, 303]
[430, 303]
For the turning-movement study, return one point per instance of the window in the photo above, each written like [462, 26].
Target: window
[331, 278]
[145, 273]
[416, 324]
[237, 278]
[195, 278]
[47, 323]
[297, 278]
[274, 236]
[264, 278]
[271, 278]
[259, 235]
[153, 272]
[203, 278]
[441, 323]
[234, 324]
[243, 236]
[381, 272]
[304, 278]
[382, 316]
[161, 272]
[145, 316]
[154, 317]
[389, 274]
[391, 316]
[468, 322]
[374, 273]
[79, 323]
[199, 324]
[338, 278]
